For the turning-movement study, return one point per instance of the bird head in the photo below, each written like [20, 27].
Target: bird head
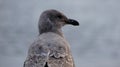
[53, 19]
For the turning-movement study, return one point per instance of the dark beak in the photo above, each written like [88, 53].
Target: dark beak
[73, 22]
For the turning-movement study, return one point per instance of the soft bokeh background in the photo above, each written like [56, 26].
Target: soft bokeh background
[95, 43]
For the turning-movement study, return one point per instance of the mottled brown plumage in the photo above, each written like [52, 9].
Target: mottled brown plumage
[51, 49]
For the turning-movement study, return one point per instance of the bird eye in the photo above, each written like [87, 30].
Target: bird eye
[59, 16]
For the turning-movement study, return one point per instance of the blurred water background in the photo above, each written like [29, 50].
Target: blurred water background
[95, 43]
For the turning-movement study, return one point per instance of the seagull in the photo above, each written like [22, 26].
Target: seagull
[51, 49]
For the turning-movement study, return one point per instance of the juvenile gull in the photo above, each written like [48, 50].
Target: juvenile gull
[51, 48]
